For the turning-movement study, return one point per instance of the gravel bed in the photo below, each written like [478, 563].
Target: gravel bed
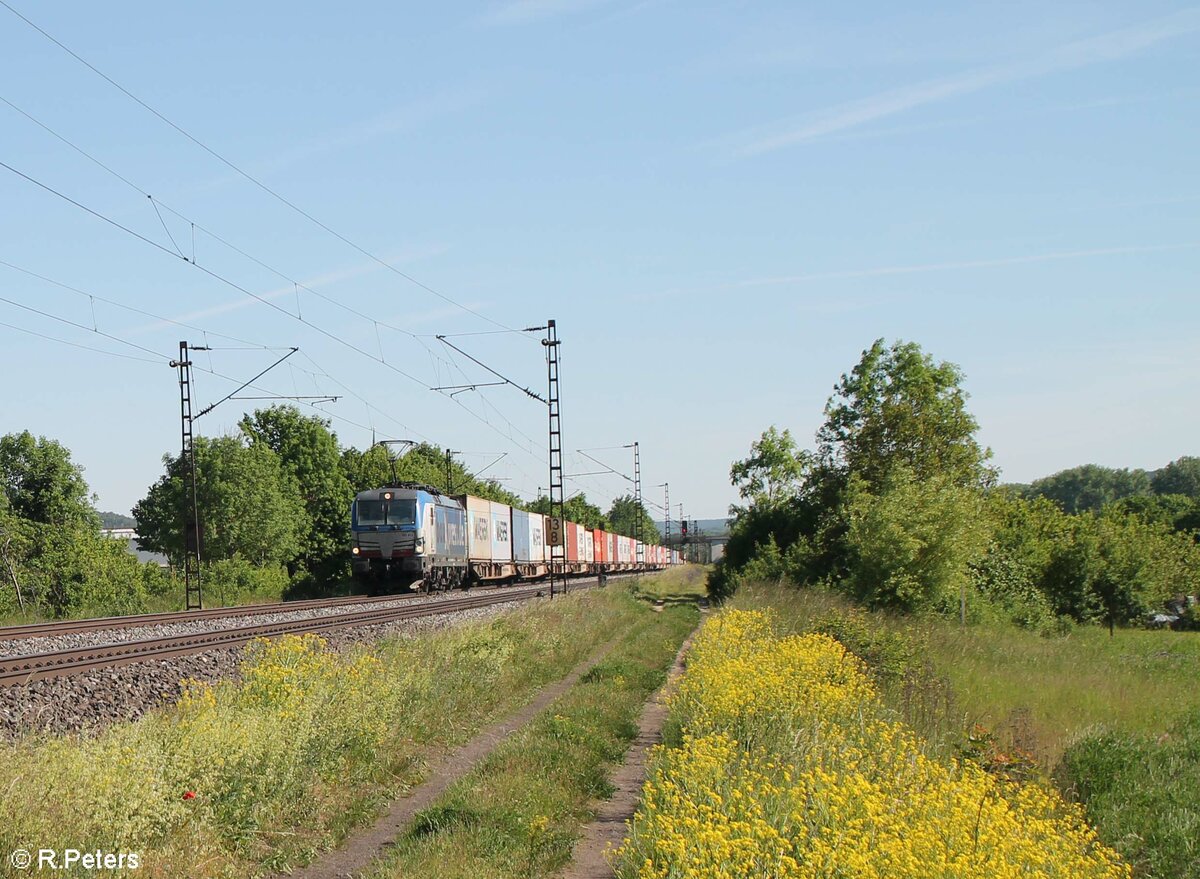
[116, 635]
[89, 701]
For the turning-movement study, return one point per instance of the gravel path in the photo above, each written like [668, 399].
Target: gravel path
[89, 701]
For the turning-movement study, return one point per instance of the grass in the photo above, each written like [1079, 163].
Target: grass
[1036, 693]
[309, 745]
[520, 812]
[1143, 794]
[1113, 722]
[683, 584]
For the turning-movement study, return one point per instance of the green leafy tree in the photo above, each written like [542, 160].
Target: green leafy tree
[624, 515]
[577, 510]
[1181, 476]
[774, 472]
[308, 450]
[250, 505]
[77, 572]
[1090, 487]
[900, 407]
[365, 470]
[42, 484]
[912, 539]
[1172, 510]
[17, 537]
[423, 463]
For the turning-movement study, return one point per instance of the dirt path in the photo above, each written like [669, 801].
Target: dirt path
[361, 849]
[592, 851]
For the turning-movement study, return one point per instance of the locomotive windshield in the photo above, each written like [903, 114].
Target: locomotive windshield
[398, 512]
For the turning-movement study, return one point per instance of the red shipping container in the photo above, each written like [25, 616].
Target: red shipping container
[572, 542]
[601, 545]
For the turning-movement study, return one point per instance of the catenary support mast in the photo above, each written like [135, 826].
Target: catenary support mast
[557, 541]
[193, 596]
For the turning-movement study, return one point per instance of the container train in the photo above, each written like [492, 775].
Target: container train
[417, 536]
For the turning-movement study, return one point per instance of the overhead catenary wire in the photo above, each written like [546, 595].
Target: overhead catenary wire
[250, 177]
[224, 242]
[282, 199]
[233, 284]
[245, 344]
[85, 328]
[194, 226]
[50, 338]
[248, 345]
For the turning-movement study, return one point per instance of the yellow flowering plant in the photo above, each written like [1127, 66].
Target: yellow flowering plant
[789, 766]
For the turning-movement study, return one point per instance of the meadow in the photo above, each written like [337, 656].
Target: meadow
[254, 776]
[1110, 722]
[786, 763]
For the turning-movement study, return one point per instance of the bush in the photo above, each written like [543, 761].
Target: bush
[911, 540]
[235, 581]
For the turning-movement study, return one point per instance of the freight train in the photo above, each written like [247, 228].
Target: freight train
[417, 536]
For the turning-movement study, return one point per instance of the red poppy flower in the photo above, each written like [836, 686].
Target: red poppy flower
[189, 795]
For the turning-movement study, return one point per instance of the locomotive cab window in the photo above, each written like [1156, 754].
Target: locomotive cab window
[401, 512]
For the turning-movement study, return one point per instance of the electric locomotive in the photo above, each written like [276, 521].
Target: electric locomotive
[410, 534]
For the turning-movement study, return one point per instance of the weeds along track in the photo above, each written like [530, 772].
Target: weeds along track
[58, 663]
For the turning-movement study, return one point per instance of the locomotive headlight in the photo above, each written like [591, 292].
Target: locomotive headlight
[355, 550]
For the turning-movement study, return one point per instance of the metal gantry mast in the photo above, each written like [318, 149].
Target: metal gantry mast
[667, 509]
[193, 529]
[637, 499]
[557, 539]
[193, 597]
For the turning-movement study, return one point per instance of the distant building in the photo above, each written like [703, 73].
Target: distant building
[130, 537]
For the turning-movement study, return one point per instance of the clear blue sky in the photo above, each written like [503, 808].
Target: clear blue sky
[721, 204]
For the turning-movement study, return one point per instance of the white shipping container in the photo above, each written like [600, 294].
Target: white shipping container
[537, 537]
[479, 528]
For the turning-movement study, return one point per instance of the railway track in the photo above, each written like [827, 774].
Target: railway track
[22, 669]
[71, 627]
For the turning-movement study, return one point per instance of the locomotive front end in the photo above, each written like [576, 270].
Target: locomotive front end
[387, 537]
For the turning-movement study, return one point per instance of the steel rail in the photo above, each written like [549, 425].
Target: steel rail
[68, 627]
[39, 666]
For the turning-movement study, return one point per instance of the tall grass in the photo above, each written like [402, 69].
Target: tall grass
[253, 776]
[1113, 721]
[1034, 692]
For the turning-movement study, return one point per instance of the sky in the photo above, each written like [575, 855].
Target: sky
[721, 204]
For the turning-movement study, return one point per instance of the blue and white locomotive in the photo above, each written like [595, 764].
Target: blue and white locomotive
[409, 533]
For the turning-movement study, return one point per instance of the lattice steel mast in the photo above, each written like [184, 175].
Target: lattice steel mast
[193, 597]
[638, 509]
[556, 542]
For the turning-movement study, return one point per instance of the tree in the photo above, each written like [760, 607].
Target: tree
[912, 539]
[365, 470]
[250, 506]
[773, 473]
[577, 510]
[1090, 487]
[1181, 476]
[42, 484]
[308, 450]
[1171, 510]
[899, 407]
[423, 463]
[624, 516]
